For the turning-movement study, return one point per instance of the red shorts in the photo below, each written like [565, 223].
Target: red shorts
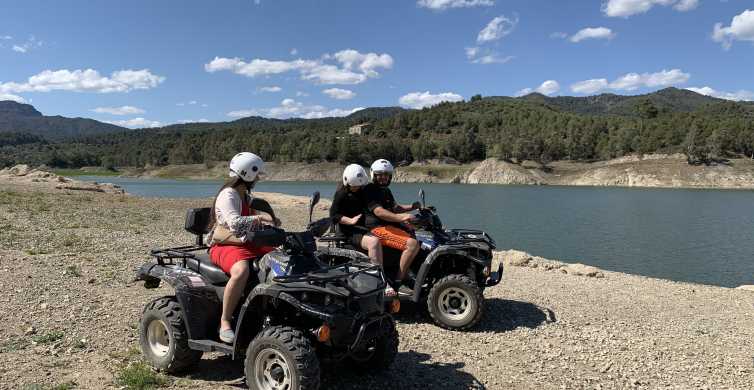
[225, 256]
[392, 237]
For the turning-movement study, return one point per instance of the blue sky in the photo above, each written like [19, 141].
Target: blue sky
[149, 63]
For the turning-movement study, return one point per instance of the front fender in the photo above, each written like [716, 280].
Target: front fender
[432, 258]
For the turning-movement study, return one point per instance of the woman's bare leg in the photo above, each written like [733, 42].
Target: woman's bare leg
[239, 274]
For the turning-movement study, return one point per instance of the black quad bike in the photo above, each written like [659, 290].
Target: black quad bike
[297, 310]
[451, 271]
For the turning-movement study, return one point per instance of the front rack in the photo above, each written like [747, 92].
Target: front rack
[458, 235]
[312, 277]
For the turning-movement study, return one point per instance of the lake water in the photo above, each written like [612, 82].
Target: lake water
[702, 236]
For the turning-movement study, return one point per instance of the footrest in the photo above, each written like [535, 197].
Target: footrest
[210, 346]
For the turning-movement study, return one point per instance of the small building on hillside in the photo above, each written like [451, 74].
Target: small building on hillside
[359, 129]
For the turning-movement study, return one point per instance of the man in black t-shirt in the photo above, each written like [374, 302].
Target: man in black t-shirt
[387, 217]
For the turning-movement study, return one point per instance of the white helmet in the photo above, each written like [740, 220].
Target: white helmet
[246, 165]
[382, 166]
[355, 175]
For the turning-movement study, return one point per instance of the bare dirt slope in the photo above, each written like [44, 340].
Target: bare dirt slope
[70, 313]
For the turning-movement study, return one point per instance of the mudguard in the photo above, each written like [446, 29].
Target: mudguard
[253, 300]
[439, 252]
[196, 295]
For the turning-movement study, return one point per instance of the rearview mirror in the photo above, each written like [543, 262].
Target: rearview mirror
[312, 202]
[421, 198]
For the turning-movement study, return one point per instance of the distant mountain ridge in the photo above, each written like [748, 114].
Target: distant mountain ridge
[24, 118]
[668, 99]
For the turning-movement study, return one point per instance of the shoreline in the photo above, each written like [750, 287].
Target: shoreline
[648, 171]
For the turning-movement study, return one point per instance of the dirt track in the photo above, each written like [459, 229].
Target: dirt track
[70, 312]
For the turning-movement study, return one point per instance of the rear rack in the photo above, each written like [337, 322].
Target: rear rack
[170, 255]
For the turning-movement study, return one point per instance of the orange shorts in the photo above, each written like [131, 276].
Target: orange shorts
[392, 237]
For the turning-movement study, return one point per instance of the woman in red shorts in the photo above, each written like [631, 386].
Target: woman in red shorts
[232, 211]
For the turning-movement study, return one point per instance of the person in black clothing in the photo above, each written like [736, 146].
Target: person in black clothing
[388, 219]
[348, 209]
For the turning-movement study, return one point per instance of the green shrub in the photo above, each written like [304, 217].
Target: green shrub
[139, 376]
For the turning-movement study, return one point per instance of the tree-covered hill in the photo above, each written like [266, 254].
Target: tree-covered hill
[24, 118]
[668, 99]
[528, 128]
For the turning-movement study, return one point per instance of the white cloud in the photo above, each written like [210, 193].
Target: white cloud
[686, 5]
[737, 96]
[367, 63]
[355, 67]
[589, 86]
[31, 43]
[5, 37]
[202, 120]
[496, 29]
[548, 88]
[300, 94]
[626, 8]
[290, 108]
[15, 98]
[664, 78]
[741, 28]
[273, 88]
[559, 35]
[592, 33]
[633, 81]
[122, 110]
[88, 80]
[478, 55]
[440, 5]
[426, 99]
[340, 94]
[294, 51]
[136, 123]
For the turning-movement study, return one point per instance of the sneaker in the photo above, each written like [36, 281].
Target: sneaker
[390, 292]
[227, 336]
[405, 290]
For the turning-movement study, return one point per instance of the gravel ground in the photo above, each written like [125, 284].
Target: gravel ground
[70, 313]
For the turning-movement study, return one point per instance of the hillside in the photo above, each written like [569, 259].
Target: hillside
[533, 127]
[668, 99]
[24, 118]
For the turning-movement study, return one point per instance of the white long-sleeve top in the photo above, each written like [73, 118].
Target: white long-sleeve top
[228, 213]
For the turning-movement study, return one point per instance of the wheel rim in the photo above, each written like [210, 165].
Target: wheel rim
[158, 338]
[455, 303]
[271, 370]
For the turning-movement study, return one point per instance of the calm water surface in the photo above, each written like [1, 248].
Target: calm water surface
[702, 236]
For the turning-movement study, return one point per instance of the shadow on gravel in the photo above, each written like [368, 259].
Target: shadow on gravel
[503, 315]
[500, 315]
[411, 370]
[220, 369]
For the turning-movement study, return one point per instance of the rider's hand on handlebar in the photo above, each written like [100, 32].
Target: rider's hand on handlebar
[351, 221]
[416, 205]
[407, 218]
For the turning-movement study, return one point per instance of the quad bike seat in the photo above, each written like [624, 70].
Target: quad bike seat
[202, 264]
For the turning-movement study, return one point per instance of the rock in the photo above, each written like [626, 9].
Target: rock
[43, 306]
[746, 287]
[494, 171]
[516, 258]
[581, 270]
[30, 331]
[18, 170]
